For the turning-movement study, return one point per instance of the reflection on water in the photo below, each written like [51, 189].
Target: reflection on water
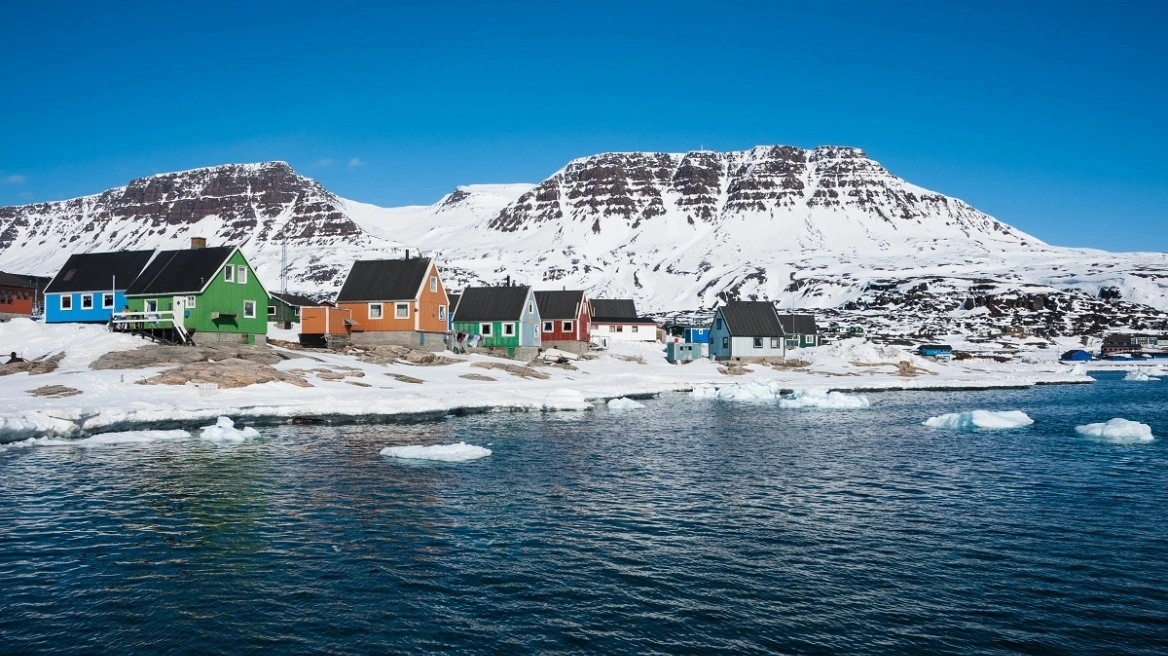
[685, 527]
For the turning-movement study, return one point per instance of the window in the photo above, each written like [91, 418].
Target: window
[434, 283]
[271, 310]
[229, 273]
[485, 329]
[295, 311]
[793, 343]
[191, 301]
[401, 311]
[107, 301]
[69, 276]
[508, 329]
[66, 302]
[151, 305]
[442, 313]
[567, 326]
[87, 301]
[249, 309]
[757, 342]
[549, 326]
[811, 340]
[718, 323]
[530, 308]
[725, 342]
[375, 311]
[241, 274]
[775, 342]
[635, 328]
[619, 329]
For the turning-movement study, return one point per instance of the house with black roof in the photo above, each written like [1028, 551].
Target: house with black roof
[90, 287]
[565, 318]
[19, 295]
[400, 301]
[504, 318]
[747, 331]
[801, 330]
[209, 294]
[284, 307]
[617, 319]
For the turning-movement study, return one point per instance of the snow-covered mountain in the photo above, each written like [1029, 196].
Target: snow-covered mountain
[827, 228]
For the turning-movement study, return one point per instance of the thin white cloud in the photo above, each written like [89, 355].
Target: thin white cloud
[355, 162]
[14, 179]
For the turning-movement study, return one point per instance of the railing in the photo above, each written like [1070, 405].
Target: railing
[158, 320]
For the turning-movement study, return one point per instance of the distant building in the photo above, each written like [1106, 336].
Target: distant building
[800, 330]
[18, 296]
[1119, 343]
[284, 308]
[936, 351]
[565, 320]
[616, 319]
[747, 330]
[1076, 355]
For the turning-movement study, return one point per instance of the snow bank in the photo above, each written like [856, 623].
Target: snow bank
[755, 391]
[34, 423]
[566, 399]
[224, 430]
[460, 452]
[126, 437]
[623, 404]
[819, 398]
[1117, 430]
[980, 419]
[1139, 375]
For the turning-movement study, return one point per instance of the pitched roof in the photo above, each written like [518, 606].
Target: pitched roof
[13, 280]
[559, 304]
[453, 299]
[492, 303]
[798, 324]
[294, 299]
[91, 272]
[752, 319]
[384, 280]
[180, 272]
[616, 310]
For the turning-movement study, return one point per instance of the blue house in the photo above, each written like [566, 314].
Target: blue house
[696, 335]
[1077, 355]
[92, 286]
[938, 351]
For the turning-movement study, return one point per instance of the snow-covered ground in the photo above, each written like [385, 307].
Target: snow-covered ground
[111, 400]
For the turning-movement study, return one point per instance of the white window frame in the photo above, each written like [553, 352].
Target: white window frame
[104, 298]
[401, 310]
[509, 329]
[549, 326]
[241, 274]
[66, 302]
[485, 329]
[147, 303]
[229, 273]
[253, 310]
[87, 297]
[811, 340]
[376, 311]
[434, 284]
[774, 342]
[566, 326]
[271, 310]
[442, 313]
[191, 301]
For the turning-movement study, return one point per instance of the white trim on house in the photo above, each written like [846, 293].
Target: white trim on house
[380, 311]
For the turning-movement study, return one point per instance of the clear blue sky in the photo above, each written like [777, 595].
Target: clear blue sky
[1048, 115]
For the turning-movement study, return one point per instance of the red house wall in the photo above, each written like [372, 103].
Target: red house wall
[581, 328]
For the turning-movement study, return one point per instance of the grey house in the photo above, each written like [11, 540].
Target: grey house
[747, 330]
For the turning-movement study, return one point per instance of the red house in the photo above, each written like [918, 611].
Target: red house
[18, 295]
[566, 318]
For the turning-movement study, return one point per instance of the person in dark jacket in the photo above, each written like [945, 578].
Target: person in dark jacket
[14, 358]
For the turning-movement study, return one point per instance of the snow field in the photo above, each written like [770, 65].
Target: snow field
[980, 420]
[460, 452]
[1117, 430]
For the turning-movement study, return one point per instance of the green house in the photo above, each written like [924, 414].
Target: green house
[498, 318]
[208, 295]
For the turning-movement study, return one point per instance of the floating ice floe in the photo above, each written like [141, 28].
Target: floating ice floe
[623, 404]
[980, 420]
[224, 430]
[818, 398]
[1117, 430]
[566, 399]
[460, 452]
[126, 437]
[704, 392]
[1139, 375]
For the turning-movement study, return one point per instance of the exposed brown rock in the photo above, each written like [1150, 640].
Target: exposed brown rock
[54, 391]
[41, 365]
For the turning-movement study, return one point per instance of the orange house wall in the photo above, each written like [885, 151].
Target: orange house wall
[18, 305]
[425, 307]
[312, 321]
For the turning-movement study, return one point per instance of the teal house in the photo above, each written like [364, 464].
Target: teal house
[504, 317]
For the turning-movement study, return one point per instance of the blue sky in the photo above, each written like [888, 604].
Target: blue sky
[1048, 115]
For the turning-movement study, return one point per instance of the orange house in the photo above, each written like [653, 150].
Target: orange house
[18, 296]
[399, 302]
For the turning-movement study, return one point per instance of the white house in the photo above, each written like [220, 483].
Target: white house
[615, 319]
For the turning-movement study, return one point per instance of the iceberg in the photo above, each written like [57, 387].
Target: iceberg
[980, 420]
[704, 392]
[1117, 430]
[623, 404]
[756, 391]
[1139, 375]
[460, 452]
[224, 430]
[818, 398]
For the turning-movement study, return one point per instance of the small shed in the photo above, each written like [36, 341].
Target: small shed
[1076, 355]
[938, 351]
[676, 352]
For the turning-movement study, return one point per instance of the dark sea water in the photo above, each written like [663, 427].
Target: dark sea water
[697, 527]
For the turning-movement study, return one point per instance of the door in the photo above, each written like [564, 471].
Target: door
[179, 305]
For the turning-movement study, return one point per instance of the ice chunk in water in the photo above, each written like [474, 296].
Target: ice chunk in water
[704, 392]
[460, 452]
[980, 419]
[1117, 430]
[1139, 375]
[224, 430]
[818, 398]
[622, 404]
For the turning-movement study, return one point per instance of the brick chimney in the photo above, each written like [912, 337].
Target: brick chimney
[198, 242]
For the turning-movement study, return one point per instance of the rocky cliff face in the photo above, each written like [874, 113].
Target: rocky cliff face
[807, 228]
